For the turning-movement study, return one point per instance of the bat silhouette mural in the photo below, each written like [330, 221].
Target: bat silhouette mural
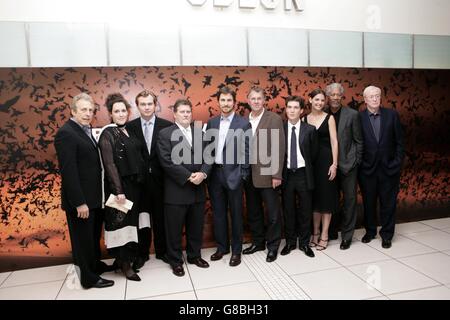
[34, 103]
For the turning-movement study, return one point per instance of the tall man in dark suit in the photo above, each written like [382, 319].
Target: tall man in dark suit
[351, 144]
[81, 191]
[379, 176]
[180, 150]
[267, 153]
[298, 177]
[146, 128]
[230, 168]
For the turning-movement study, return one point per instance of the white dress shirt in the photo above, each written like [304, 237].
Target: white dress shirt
[147, 130]
[255, 121]
[223, 131]
[300, 159]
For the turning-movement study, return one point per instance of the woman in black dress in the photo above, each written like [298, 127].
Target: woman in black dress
[123, 163]
[325, 194]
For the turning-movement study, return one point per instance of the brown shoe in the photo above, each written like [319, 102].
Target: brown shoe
[218, 255]
[178, 270]
[235, 260]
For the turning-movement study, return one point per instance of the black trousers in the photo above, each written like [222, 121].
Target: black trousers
[297, 221]
[255, 215]
[191, 217]
[223, 198]
[152, 200]
[345, 216]
[85, 240]
[383, 188]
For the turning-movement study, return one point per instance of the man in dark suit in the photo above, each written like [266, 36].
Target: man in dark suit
[298, 177]
[230, 168]
[267, 153]
[81, 191]
[350, 144]
[180, 150]
[379, 176]
[146, 128]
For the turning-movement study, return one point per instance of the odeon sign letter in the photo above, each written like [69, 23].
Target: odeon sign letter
[252, 4]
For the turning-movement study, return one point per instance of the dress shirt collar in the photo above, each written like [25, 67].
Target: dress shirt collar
[251, 118]
[151, 121]
[229, 118]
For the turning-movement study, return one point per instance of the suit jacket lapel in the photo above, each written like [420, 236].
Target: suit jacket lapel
[155, 130]
[83, 134]
[367, 124]
[233, 126]
[383, 121]
[302, 135]
[342, 120]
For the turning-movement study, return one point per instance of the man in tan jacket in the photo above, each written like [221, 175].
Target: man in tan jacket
[267, 161]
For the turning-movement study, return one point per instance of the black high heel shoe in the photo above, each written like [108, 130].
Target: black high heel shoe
[129, 272]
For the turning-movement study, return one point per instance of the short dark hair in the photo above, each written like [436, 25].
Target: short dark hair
[145, 94]
[315, 92]
[180, 102]
[115, 98]
[226, 90]
[298, 99]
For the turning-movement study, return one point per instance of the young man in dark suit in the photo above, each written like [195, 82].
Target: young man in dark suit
[298, 177]
[81, 191]
[231, 167]
[351, 146]
[180, 151]
[151, 218]
[379, 174]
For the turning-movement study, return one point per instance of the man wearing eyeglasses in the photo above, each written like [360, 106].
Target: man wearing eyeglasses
[379, 176]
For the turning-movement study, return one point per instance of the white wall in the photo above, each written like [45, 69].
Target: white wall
[430, 17]
[359, 33]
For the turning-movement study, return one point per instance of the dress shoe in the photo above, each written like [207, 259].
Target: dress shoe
[272, 256]
[254, 248]
[129, 273]
[235, 260]
[307, 251]
[287, 249]
[178, 270]
[103, 283]
[367, 238]
[386, 243]
[139, 263]
[218, 255]
[345, 244]
[162, 257]
[199, 262]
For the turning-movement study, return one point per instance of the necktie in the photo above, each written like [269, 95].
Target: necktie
[293, 159]
[147, 137]
[188, 135]
[376, 125]
[87, 130]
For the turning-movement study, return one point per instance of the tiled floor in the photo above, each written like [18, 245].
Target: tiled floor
[416, 267]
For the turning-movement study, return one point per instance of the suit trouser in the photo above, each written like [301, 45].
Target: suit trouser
[345, 216]
[297, 222]
[385, 188]
[255, 215]
[153, 202]
[192, 217]
[85, 239]
[221, 198]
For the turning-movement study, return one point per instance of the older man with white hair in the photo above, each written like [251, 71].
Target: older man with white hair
[379, 175]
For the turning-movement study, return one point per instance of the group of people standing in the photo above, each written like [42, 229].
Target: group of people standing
[320, 152]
